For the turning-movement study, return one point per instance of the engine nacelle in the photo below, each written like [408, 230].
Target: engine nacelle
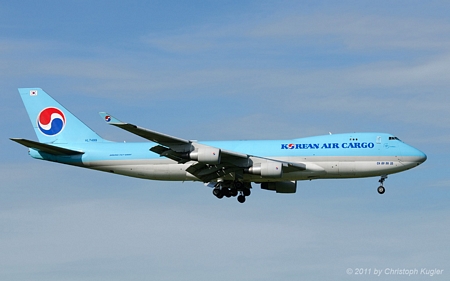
[270, 169]
[207, 155]
[280, 186]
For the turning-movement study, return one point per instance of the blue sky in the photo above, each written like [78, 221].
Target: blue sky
[212, 70]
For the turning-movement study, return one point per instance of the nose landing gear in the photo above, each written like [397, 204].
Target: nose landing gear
[381, 188]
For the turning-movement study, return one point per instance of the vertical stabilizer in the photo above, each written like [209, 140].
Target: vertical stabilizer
[52, 122]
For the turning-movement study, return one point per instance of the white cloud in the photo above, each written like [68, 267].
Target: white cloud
[412, 93]
[257, 242]
[357, 31]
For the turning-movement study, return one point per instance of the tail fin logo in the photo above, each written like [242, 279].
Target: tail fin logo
[51, 121]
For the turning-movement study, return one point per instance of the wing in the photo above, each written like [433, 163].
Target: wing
[210, 162]
[174, 143]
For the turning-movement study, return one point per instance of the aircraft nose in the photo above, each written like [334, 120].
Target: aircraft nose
[411, 156]
[418, 156]
[422, 157]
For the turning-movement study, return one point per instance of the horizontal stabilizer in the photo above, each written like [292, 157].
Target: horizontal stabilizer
[47, 148]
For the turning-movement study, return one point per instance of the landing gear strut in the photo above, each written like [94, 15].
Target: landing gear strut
[381, 188]
[232, 189]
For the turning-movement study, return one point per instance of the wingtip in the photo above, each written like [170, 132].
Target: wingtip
[109, 118]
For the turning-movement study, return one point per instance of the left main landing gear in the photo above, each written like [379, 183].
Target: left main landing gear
[232, 189]
[381, 188]
[218, 193]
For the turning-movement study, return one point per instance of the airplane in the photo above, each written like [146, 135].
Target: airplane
[228, 167]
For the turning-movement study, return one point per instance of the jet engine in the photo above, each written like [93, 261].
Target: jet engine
[270, 169]
[280, 186]
[207, 155]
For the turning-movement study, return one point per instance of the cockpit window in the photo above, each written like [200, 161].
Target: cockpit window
[394, 138]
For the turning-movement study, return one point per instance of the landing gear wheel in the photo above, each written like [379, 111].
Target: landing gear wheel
[246, 192]
[241, 198]
[238, 184]
[381, 189]
[218, 193]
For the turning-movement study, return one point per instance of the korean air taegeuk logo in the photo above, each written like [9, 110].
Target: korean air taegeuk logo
[51, 121]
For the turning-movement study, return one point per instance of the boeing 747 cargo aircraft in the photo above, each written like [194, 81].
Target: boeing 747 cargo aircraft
[228, 167]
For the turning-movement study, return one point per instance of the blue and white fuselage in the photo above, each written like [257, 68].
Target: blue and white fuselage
[230, 166]
[328, 156]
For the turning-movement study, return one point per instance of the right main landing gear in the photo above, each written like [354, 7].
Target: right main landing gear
[232, 189]
[241, 198]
